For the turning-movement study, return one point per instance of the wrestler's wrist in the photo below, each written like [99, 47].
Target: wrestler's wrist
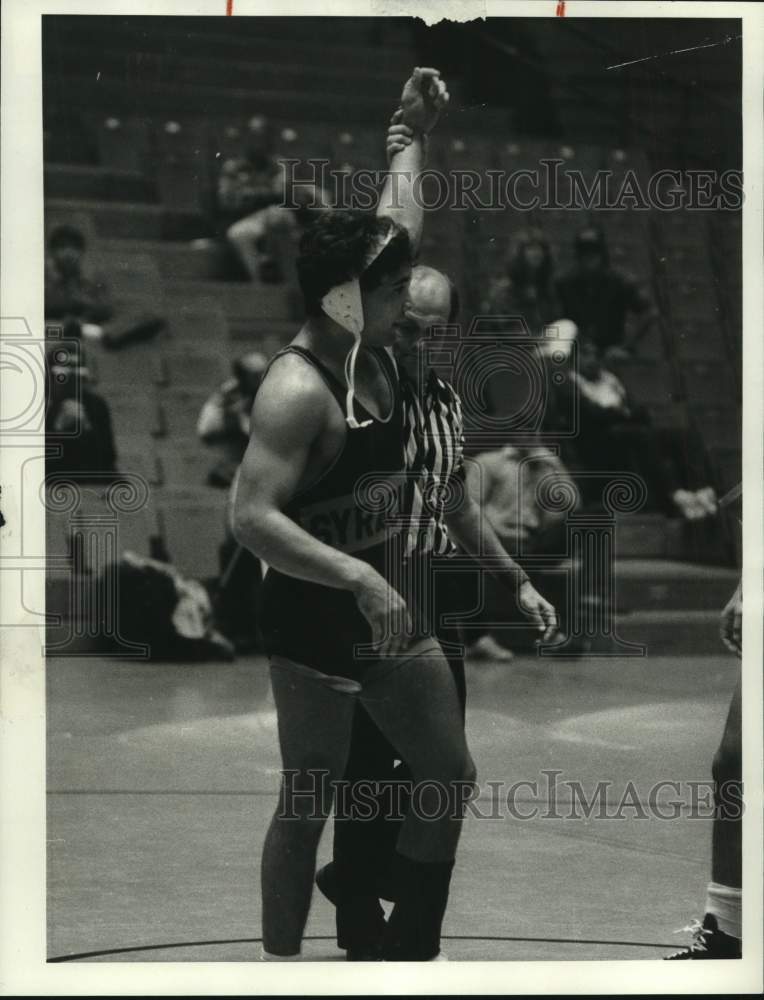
[513, 579]
[359, 576]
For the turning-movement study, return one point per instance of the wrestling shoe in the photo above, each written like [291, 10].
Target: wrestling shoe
[707, 942]
[360, 922]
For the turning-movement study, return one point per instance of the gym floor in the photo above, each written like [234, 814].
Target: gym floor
[162, 779]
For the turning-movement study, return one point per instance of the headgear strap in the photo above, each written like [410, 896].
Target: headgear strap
[344, 305]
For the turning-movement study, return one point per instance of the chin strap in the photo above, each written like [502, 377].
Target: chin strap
[350, 361]
[344, 305]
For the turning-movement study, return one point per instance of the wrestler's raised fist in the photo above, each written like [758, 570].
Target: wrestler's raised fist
[424, 97]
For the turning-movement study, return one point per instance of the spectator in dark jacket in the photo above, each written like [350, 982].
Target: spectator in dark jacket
[75, 293]
[77, 419]
[598, 299]
[527, 287]
[70, 292]
[616, 434]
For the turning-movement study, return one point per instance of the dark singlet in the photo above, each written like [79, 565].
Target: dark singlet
[348, 508]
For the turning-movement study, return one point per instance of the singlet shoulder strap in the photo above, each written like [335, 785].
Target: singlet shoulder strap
[337, 389]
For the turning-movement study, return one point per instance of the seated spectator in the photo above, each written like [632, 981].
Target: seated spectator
[251, 208]
[506, 484]
[72, 292]
[224, 421]
[224, 418]
[170, 613]
[527, 287]
[615, 433]
[598, 298]
[77, 419]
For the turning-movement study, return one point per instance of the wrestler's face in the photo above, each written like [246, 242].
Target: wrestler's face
[429, 305]
[383, 307]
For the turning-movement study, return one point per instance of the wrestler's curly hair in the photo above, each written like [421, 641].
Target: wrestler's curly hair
[333, 250]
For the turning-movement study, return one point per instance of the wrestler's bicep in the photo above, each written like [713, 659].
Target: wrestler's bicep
[286, 421]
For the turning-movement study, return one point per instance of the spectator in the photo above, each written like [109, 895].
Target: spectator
[224, 418]
[506, 483]
[247, 185]
[615, 433]
[77, 419]
[69, 292]
[165, 610]
[598, 298]
[72, 293]
[251, 207]
[527, 287]
[224, 421]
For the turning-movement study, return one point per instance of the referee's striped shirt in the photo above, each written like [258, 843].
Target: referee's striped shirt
[434, 445]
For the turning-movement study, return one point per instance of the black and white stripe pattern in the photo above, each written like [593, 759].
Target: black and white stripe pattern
[434, 443]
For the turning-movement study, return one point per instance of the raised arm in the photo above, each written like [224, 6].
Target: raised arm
[424, 97]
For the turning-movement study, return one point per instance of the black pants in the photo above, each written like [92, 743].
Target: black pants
[364, 848]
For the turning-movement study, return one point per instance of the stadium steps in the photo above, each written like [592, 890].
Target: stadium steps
[104, 183]
[173, 259]
[192, 366]
[663, 584]
[134, 365]
[672, 632]
[241, 300]
[184, 466]
[647, 536]
[130, 220]
[192, 526]
[117, 97]
[117, 219]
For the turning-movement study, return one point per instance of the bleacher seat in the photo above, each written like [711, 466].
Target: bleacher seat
[122, 220]
[136, 364]
[192, 532]
[107, 532]
[134, 455]
[124, 143]
[134, 409]
[182, 166]
[197, 327]
[183, 465]
[179, 410]
[192, 367]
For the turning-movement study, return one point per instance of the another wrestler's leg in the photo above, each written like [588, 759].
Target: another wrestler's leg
[720, 934]
[417, 707]
[314, 732]
[724, 891]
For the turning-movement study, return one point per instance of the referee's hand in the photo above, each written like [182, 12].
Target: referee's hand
[539, 610]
